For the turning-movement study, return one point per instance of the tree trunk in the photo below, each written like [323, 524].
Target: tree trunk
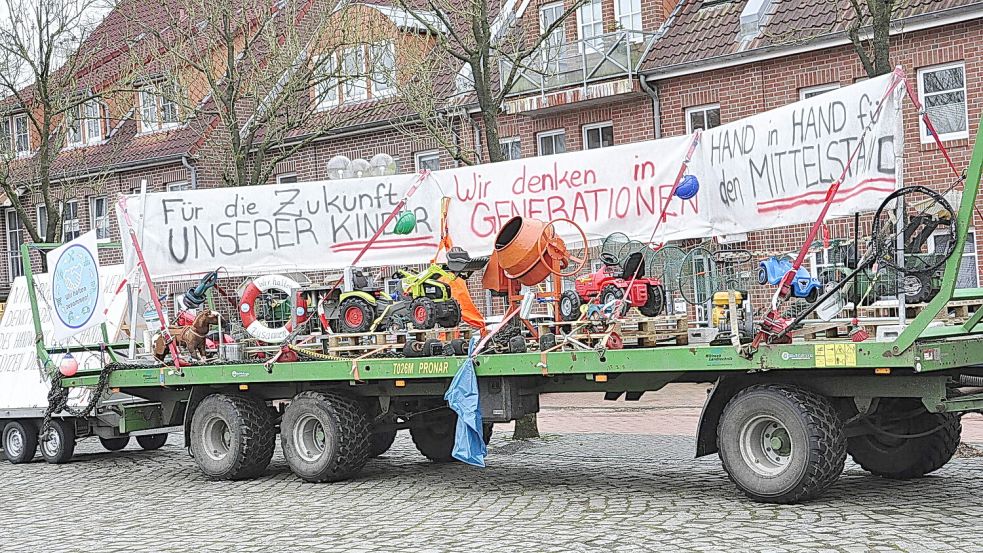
[525, 428]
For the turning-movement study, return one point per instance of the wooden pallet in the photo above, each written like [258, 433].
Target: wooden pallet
[341, 344]
[954, 310]
[637, 331]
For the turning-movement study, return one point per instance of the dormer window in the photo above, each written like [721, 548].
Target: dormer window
[84, 125]
[18, 141]
[158, 110]
[367, 71]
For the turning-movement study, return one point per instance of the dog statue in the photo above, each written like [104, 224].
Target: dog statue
[192, 337]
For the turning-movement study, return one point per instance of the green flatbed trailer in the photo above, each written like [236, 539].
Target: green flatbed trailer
[782, 421]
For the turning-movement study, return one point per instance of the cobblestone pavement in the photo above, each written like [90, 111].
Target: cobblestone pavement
[566, 492]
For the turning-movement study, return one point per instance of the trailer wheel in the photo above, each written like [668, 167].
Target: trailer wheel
[325, 437]
[58, 445]
[380, 442]
[906, 458]
[435, 438]
[20, 441]
[150, 442]
[781, 444]
[115, 444]
[232, 436]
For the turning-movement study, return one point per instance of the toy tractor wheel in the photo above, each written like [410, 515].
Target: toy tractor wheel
[610, 293]
[762, 275]
[615, 341]
[813, 295]
[355, 315]
[450, 314]
[569, 305]
[655, 302]
[423, 313]
[517, 344]
[457, 346]
[547, 341]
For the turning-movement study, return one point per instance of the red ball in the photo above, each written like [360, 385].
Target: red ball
[69, 366]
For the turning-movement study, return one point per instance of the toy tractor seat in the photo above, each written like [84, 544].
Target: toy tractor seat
[364, 283]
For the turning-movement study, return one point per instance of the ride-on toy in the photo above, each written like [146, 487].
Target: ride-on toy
[610, 283]
[804, 285]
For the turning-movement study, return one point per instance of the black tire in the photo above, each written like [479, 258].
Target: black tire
[434, 438]
[115, 444]
[423, 313]
[487, 429]
[151, 442]
[655, 303]
[355, 315]
[547, 341]
[802, 427]
[458, 346]
[325, 437]
[610, 293]
[58, 446]
[413, 349]
[904, 459]
[570, 305]
[20, 441]
[762, 275]
[517, 344]
[813, 295]
[450, 314]
[380, 442]
[432, 348]
[232, 436]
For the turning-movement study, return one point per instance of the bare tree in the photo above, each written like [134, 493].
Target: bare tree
[46, 104]
[492, 49]
[257, 78]
[875, 52]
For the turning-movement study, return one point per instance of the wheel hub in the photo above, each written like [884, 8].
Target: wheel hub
[15, 443]
[51, 443]
[217, 439]
[766, 446]
[353, 316]
[309, 438]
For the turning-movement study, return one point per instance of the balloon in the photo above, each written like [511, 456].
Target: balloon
[69, 366]
[688, 187]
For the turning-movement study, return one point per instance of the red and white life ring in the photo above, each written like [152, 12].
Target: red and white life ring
[247, 307]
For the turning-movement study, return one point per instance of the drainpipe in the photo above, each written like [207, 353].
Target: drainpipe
[191, 171]
[656, 106]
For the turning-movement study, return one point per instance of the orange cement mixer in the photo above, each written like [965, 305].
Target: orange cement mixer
[528, 251]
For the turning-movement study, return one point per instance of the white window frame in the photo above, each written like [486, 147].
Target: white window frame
[631, 17]
[42, 229]
[926, 138]
[73, 225]
[16, 135]
[704, 108]
[930, 247]
[596, 23]
[813, 91]
[554, 43]
[283, 176]
[176, 186]
[506, 144]
[97, 221]
[327, 92]
[597, 127]
[88, 119]
[355, 88]
[15, 237]
[550, 134]
[430, 154]
[151, 107]
[383, 82]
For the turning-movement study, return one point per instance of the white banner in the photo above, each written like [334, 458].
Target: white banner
[22, 383]
[766, 171]
[774, 169]
[76, 296]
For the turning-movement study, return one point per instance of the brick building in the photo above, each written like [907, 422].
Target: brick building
[619, 71]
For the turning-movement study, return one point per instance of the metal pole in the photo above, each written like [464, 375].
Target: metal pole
[136, 285]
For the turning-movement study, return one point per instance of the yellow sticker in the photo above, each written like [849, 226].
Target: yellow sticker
[836, 355]
[820, 355]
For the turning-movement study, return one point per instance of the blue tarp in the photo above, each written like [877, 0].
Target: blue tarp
[462, 397]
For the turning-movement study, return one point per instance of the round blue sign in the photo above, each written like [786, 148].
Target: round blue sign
[75, 286]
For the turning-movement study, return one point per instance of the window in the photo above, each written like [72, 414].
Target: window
[42, 216]
[70, 227]
[22, 136]
[598, 135]
[511, 148]
[99, 216]
[15, 237]
[84, 125]
[629, 16]
[551, 142]
[968, 276]
[428, 160]
[590, 22]
[326, 83]
[158, 111]
[383, 69]
[702, 117]
[286, 178]
[5, 144]
[549, 14]
[942, 91]
[174, 186]
[353, 67]
[809, 92]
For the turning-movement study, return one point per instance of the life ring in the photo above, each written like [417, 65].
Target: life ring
[247, 307]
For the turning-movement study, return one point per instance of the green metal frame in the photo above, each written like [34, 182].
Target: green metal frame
[917, 350]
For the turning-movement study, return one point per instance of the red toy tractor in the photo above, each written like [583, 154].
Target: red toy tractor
[609, 283]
